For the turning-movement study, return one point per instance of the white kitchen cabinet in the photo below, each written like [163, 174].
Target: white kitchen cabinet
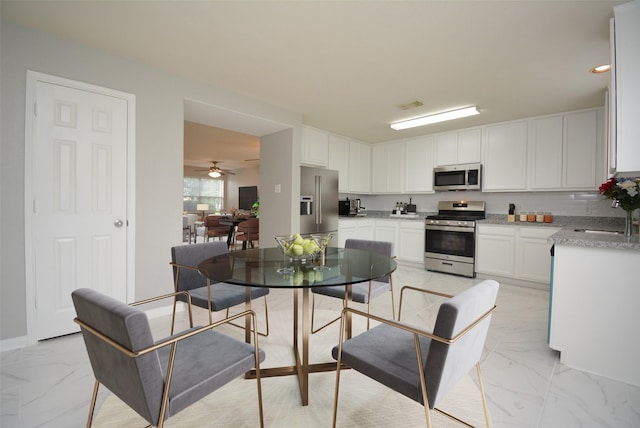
[359, 167]
[410, 246]
[545, 153]
[626, 57]
[533, 257]
[580, 150]
[594, 300]
[315, 147]
[495, 250]
[387, 230]
[419, 163]
[504, 157]
[458, 147]
[520, 252]
[355, 228]
[564, 151]
[339, 160]
[387, 174]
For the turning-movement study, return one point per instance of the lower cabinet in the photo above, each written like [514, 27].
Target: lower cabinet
[520, 252]
[410, 246]
[407, 236]
[355, 229]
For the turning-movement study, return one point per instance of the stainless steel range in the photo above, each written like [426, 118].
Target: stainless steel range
[450, 237]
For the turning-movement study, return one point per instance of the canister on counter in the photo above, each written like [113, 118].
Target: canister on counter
[523, 217]
[540, 217]
[548, 218]
[531, 217]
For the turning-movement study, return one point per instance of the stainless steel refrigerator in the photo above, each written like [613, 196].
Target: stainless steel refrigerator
[319, 201]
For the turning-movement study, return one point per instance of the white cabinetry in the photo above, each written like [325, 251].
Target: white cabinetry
[563, 151]
[387, 174]
[627, 88]
[387, 230]
[315, 147]
[339, 160]
[591, 301]
[359, 167]
[520, 252]
[495, 250]
[458, 147]
[419, 165]
[533, 258]
[355, 229]
[504, 157]
[410, 246]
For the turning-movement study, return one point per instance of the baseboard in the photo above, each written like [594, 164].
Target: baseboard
[13, 343]
[514, 281]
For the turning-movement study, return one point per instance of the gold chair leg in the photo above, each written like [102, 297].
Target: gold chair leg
[266, 317]
[313, 310]
[92, 406]
[484, 399]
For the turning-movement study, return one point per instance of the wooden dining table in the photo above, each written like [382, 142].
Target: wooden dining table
[269, 267]
[232, 223]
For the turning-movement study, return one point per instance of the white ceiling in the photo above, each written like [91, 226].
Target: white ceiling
[347, 65]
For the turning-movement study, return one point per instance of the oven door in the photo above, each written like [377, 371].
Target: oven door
[451, 242]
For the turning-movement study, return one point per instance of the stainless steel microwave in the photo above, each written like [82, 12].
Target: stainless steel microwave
[466, 176]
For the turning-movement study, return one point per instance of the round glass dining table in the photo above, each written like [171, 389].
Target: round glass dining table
[270, 267]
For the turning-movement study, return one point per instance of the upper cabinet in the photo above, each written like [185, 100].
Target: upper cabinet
[564, 151]
[387, 172]
[504, 157]
[315, 147]
[419, 165]
[359, 167]
[625, 90]
[458, 147]
[339, 160]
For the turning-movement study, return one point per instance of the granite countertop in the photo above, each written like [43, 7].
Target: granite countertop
[568, 235]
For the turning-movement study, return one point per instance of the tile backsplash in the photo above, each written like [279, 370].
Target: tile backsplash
[557, 203]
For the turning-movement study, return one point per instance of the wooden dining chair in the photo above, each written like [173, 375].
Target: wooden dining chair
[248, 231]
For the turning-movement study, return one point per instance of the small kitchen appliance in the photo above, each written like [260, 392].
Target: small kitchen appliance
[450, 237]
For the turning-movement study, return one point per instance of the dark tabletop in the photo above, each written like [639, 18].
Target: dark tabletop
[269, 267]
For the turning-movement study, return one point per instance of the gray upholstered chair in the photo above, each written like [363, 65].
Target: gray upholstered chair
[158, 379]
[421, 365]
[363, 292]
[219, 296]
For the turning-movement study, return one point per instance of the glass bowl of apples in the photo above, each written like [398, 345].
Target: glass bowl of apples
[298, 248]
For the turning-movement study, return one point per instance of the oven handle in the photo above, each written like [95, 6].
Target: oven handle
[452, 228]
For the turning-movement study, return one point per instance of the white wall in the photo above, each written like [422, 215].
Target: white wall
[159, 152]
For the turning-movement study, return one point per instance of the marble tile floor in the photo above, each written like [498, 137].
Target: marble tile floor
[50, 384]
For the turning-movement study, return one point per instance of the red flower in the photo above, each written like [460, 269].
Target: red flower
[607, 186]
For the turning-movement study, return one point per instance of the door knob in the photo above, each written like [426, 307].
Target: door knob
[118, 223]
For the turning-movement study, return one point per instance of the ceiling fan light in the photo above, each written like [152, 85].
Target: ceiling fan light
[434, 118]
[214, 174]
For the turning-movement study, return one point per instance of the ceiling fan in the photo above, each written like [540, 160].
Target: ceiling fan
[215, 170]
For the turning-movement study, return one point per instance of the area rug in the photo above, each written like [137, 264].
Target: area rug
[362, 402]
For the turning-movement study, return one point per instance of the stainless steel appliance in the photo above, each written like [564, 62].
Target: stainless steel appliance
[465, 176]
[319, 201]
[450, 237]
[350, 207]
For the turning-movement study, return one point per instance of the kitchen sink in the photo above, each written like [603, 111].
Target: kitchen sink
[599, 231]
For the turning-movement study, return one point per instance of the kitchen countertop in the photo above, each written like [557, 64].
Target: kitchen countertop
[568, 235]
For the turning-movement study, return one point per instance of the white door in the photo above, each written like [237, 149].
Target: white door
[79, 192]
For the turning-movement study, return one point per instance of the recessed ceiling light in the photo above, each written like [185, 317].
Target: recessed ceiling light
[601, 68]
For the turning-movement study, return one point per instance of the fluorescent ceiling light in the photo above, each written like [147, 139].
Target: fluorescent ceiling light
[434, 118]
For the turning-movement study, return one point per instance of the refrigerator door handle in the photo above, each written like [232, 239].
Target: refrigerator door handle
[318, 196]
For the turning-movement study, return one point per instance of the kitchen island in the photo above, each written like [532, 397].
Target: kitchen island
[594, 299]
